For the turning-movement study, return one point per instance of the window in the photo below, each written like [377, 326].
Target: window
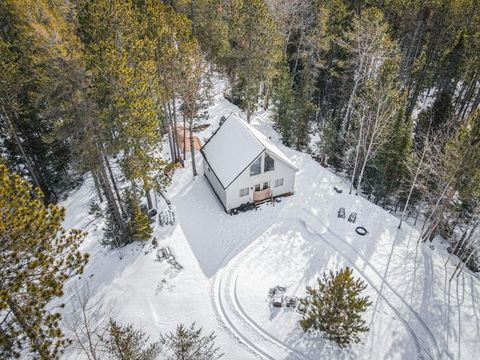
[256, 167]
[269, 163]
[279, 182]
[265, 185]
[244, 192]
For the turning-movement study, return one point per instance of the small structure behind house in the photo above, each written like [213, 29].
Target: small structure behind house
[243, 166]
[183, 139]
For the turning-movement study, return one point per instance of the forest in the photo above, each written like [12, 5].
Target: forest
[385, 93]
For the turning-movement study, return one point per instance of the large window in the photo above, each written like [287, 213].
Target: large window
[244, 192]
[269, 163]
[279, 182]
[256, 167]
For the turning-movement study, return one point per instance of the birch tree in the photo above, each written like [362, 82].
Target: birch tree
[368, 45]
[375, 109]
[457, 173]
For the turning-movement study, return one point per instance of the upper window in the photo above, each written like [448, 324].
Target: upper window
[269, 163]
[256, 167]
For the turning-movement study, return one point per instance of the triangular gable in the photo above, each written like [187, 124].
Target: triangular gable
[234, 146]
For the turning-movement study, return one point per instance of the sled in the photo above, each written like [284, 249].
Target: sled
[353, 217]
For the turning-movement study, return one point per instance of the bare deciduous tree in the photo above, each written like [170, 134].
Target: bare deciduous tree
[87, 320]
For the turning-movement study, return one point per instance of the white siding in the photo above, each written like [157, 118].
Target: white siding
[217, 187]
[282, 170]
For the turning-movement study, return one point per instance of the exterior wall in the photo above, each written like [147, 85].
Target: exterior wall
[217, 187]
[282, 170]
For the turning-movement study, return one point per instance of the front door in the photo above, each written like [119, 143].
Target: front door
[262, 191]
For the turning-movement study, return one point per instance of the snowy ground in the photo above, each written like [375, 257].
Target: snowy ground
[230, 262]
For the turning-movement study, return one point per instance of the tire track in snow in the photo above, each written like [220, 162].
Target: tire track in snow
[367, 263]
[262, 330]
[232, 268]
[218, 306]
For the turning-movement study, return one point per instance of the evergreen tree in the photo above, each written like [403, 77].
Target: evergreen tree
[255, 51]
[139, 223]
[390, 167]
[136, 225]
[124, 342]
[37, 256]
[209, 26]
[335, 307]
[115, 233]
[188, 343]
[40, 60]
[283, 100]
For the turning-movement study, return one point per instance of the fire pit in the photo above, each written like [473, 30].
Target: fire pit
[361, 230]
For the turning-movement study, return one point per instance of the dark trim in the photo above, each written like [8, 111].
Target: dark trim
[213, 134]
[218, 197]
[241, 172]
[205, 158]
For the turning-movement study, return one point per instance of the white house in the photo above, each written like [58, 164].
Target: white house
[243, 166]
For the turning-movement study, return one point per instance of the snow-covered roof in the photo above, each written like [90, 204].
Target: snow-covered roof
[234, 146]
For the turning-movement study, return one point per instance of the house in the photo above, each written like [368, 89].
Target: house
[242, 165]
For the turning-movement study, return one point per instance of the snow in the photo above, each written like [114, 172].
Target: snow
[234, 146]
[230, 263]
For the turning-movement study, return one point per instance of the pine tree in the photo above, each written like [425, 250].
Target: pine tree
[37, 256]
[40, 62]
[390, 168]
[255, 51]
[283, 101]
[139, 223]
[124, 342]
[335, 307]
[188, 343]
[115, 233]
[209, 26]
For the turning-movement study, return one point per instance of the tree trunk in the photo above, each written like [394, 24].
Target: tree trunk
[174, 106]
[360, 177]
[427, 235]
[413, 183]
[149, 198]
[356, 158]
[23, 154]
[169, 133]
[32, 335]
[114, 182]
[97, 186]
[192, 149]
[184, 140]
[174, 133]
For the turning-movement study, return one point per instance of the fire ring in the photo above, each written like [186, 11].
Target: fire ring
[361, 230]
